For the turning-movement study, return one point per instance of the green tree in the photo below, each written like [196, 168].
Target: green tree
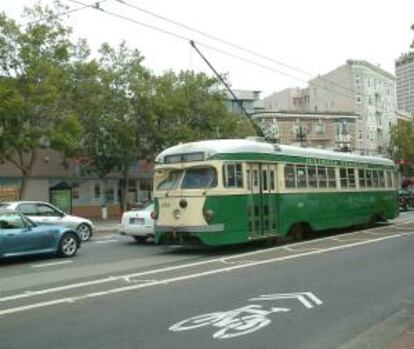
[33, 71]
[402, 144]
[190, 106]
[110, 95]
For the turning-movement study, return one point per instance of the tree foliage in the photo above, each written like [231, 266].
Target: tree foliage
[109, 109]
[402, 143]
[33, 71]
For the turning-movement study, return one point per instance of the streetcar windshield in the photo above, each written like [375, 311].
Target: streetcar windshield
[171, 182]
[199, 178]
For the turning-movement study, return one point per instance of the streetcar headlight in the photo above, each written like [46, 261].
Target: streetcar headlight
[208, 215]
[177, 214]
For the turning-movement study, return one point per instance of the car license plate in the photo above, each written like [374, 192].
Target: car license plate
[135, 220]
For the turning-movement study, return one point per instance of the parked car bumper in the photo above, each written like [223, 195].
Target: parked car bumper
[131, 230]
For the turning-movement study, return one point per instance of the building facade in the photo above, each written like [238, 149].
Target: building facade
[250, 99]
[362, 88]
[88, 192]
[289, 100]
[334, 131]
[404, 70]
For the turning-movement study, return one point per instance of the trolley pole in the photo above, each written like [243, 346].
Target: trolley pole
[239, 102]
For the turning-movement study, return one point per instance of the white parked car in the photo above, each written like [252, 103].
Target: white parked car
[138, 223]
[45, 213]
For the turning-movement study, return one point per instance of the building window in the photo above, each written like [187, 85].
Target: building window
[320, 127]
[110, 195]
[358, 99]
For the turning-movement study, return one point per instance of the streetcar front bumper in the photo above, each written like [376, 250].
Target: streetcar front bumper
[184, 235]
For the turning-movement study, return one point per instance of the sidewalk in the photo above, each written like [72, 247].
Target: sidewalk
[405, 341]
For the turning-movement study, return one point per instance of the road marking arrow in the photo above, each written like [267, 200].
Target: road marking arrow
[308, 299]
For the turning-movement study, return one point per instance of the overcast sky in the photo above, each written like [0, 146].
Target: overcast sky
[313, 36]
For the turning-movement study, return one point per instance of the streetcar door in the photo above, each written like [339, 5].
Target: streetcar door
[261, 203]
[254, 205]
[268, 199]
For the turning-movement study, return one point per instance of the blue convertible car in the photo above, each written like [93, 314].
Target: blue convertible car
[20, 236]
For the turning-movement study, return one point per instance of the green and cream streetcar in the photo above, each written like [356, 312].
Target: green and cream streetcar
[230, 191]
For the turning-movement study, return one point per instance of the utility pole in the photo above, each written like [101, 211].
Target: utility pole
[239, 102]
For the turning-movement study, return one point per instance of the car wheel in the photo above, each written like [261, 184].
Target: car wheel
[85, 231]
[140, 239]
[68, 245]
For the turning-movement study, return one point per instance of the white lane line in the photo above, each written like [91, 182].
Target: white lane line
[290, 249]
[186, 277]
[349, 239]
[50, 264]
[105, 241]
[167, 269]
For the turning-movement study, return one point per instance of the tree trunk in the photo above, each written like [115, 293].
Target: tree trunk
[23, 185]
[25, 165]
[124, 190]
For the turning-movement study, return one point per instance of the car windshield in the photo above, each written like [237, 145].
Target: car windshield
[199, 178]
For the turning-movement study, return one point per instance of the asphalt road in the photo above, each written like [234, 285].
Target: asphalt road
[354, 290]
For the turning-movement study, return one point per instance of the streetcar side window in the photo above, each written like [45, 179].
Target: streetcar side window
[362, 181]
[264, 179]
[233, 176]
[388, 175]
[313, 183]
[255, 179]
[369, 178]
[375, 178]
[381, 179]
[347, 176]
[343, 176]
[289, 176]
[331, 177]
[322, 177]
[301, 176]
[272, 180]
[249, 183]
[351, 178]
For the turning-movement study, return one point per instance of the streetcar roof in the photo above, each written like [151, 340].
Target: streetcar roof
[210, 148]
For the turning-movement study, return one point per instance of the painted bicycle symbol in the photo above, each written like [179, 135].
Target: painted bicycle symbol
[231, 323]
[244, 320]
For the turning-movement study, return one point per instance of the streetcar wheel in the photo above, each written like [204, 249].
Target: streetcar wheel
[297, 232]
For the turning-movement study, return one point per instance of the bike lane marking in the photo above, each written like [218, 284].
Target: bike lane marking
[234, 323]
[182, 277]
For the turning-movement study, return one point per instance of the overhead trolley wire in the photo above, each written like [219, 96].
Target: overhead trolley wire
[185, 38]
[229, 43]
[84, 6]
